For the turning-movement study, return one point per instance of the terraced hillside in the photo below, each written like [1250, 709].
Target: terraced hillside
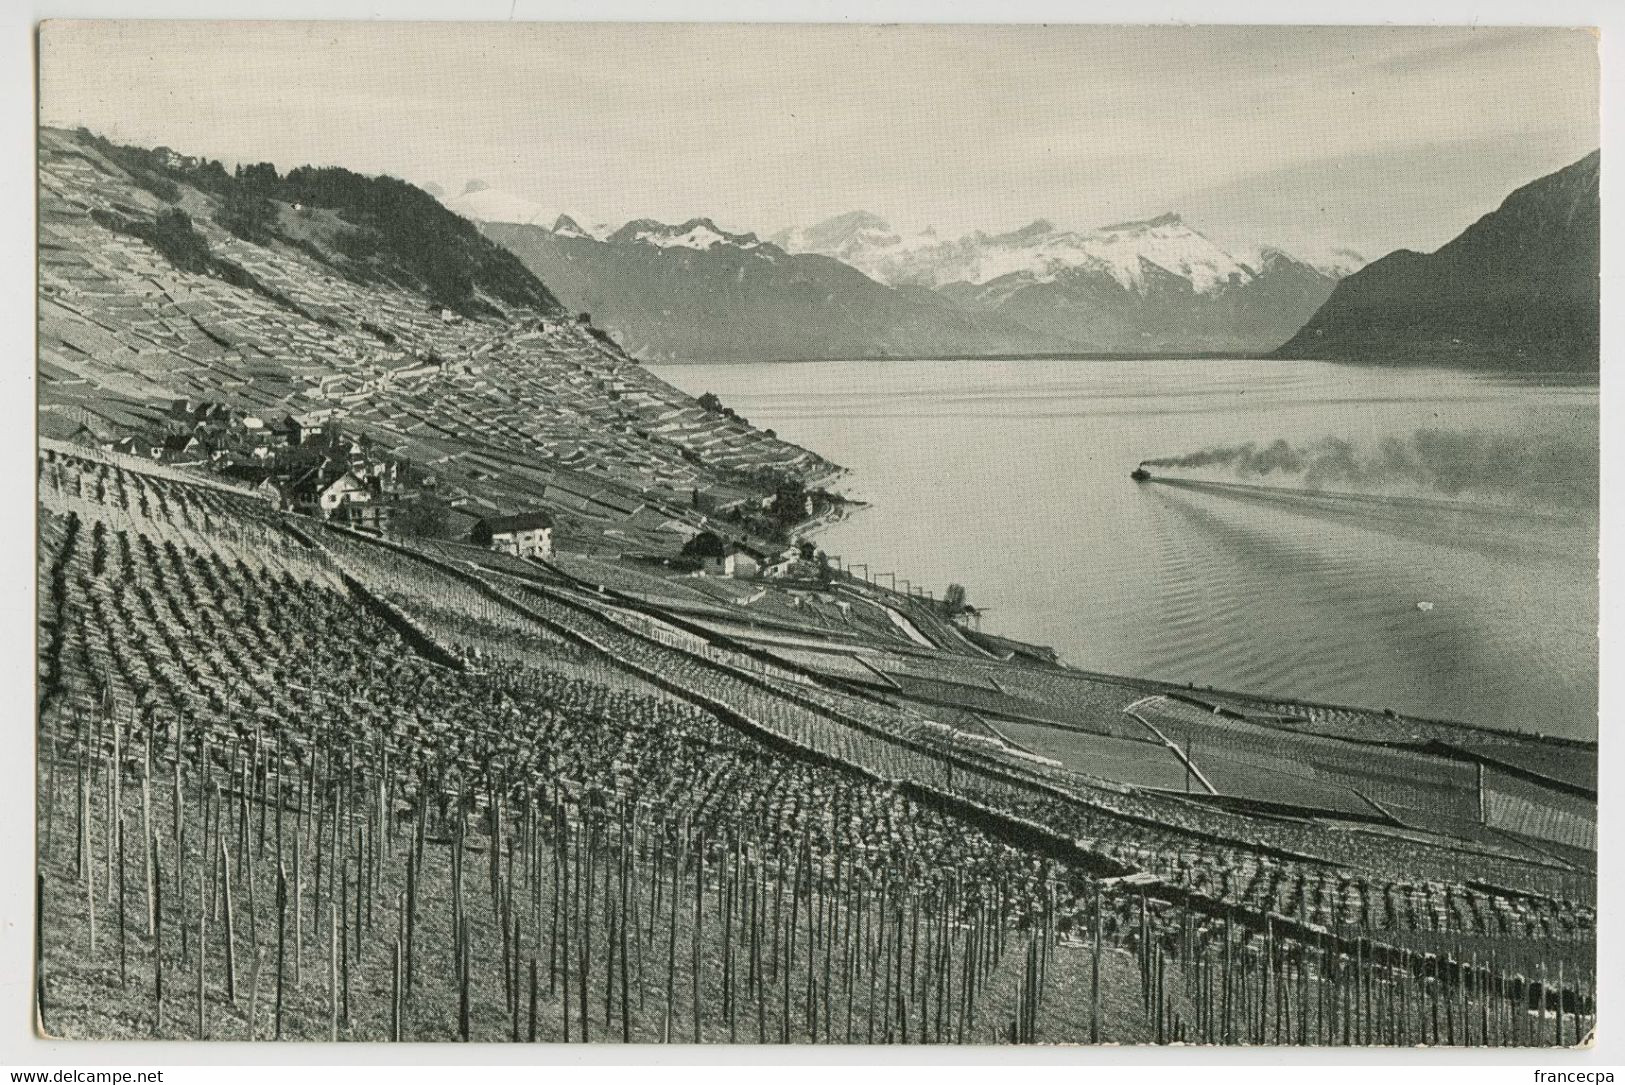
[298, 782]
[321, 292]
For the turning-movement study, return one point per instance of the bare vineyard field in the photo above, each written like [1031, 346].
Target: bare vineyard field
[296, 784]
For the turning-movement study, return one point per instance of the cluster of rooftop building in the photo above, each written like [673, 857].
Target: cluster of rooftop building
[513, 414]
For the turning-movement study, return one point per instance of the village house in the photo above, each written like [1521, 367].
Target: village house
[348, 489]
[773, 562]
[525, 535]
[366, 516]
[324, 492]
[183, 449]
[136, 446]
[745, 562]
[353, 453]
[217, 414]
[288, 433]
[718, 557]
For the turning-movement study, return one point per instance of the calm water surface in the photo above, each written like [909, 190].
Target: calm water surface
[1011, 477]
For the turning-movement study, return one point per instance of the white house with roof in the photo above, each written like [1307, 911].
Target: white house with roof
[317, 495]
[347, 489]
[525, 535]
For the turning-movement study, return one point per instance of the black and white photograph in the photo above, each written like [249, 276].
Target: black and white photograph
[816, 534]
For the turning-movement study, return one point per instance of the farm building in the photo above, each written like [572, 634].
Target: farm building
[718, 557]
[525, 535]
[776, 562]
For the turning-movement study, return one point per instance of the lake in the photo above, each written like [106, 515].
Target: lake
[1425, 542]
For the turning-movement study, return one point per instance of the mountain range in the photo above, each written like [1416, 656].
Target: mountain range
[1038, 250]
[1157, 284]
[693, 291]
[851, 286]
[1519, 288]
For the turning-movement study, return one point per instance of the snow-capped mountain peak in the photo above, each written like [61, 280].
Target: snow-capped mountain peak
[855, 230]
[1123, 250]
[1130, 253]
[697, 233]
[565, 226]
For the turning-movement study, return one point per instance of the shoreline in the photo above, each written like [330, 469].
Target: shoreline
[1580, 377]
[810, 528]
[1460, 717]
[1060, 356]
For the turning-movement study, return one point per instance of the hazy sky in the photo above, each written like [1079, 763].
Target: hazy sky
[1377, 137]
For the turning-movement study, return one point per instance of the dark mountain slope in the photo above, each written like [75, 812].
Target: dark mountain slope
[1518, 289]
[368, 229]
